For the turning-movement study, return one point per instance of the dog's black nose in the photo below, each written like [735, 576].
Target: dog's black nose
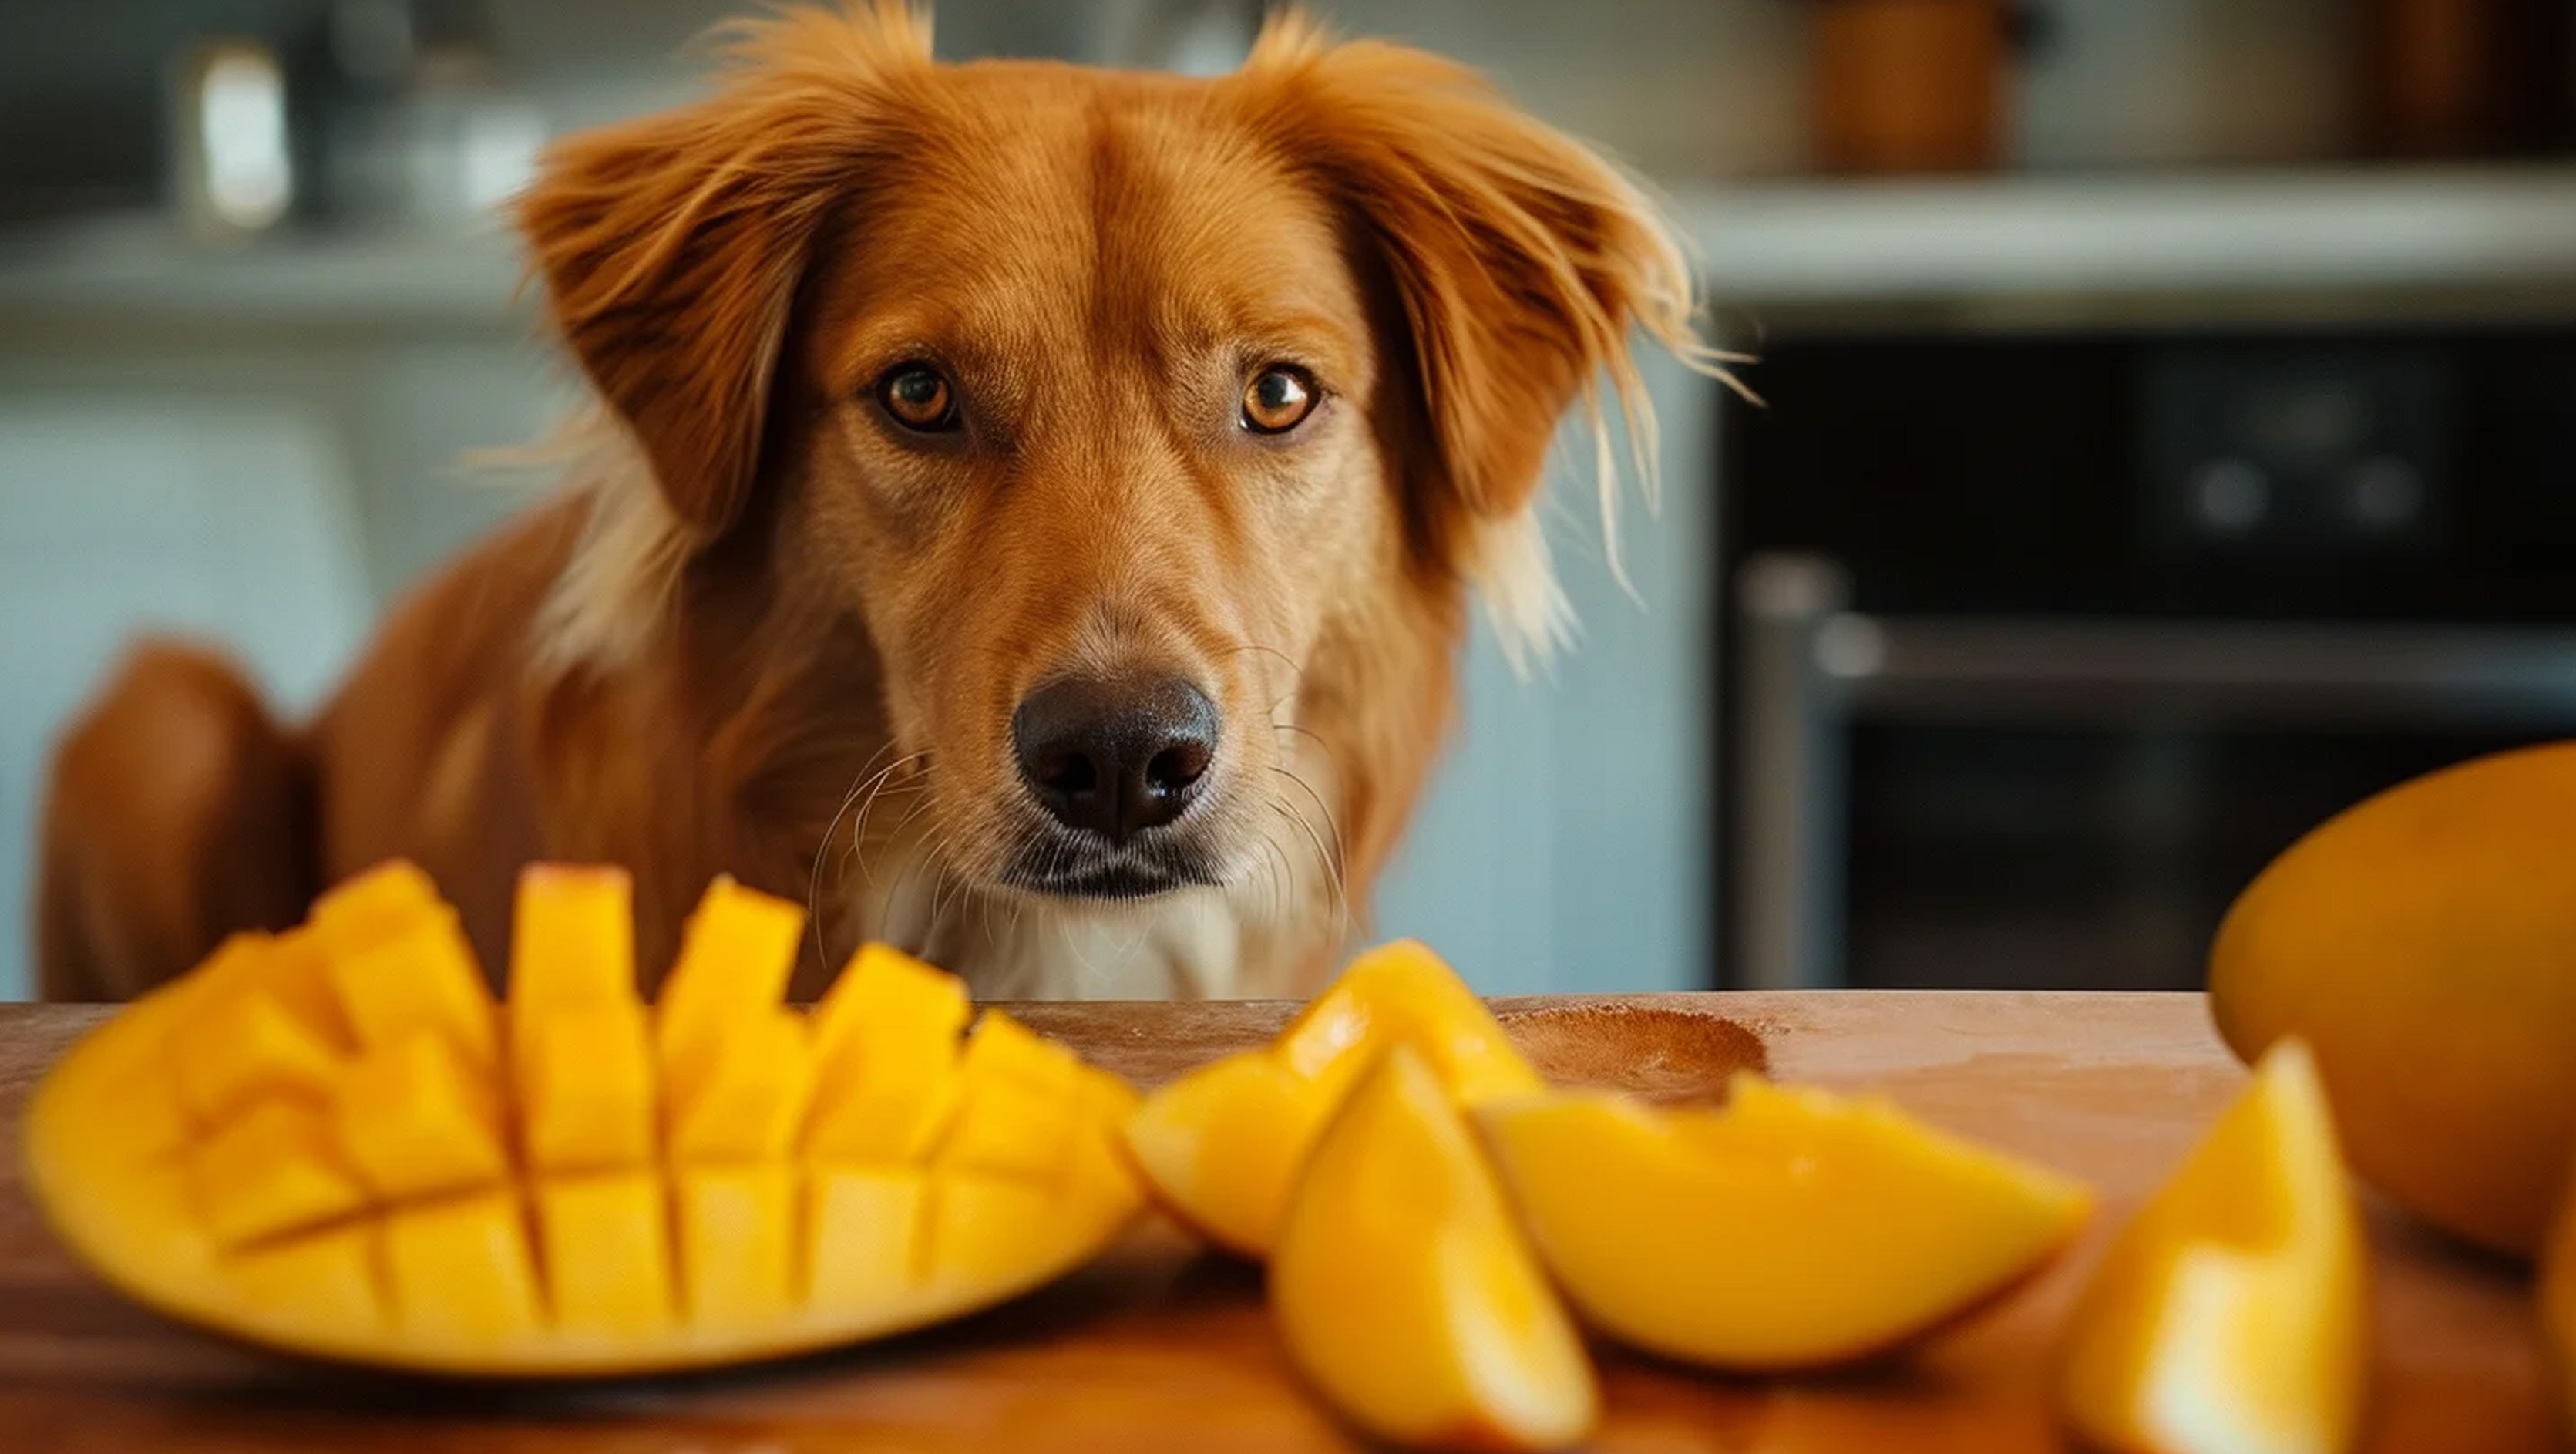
[1115, 756]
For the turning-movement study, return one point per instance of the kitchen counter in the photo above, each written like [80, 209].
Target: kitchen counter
[1157, 1348]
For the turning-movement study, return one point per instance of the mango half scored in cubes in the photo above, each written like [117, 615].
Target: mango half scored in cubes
[332, 1141]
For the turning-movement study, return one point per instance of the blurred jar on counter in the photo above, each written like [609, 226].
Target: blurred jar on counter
[233, 172]
[383, 113]
[409, 122]
[1909, 85]
[2468, 78]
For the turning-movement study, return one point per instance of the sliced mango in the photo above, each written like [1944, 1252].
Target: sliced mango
[252, 1043]
[414, 1122]
[735, 957]
[1791, 1229]
[605, 1242]
[401, 1174]
[398, 963]
[747, 1098]
[274, 1171]
[328, 1279]
[2231, 1313]
[885, 1052]
[1222, 1145]
[1405, 1292]
[462, 1272]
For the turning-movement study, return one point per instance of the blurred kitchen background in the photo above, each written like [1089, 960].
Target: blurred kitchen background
[2168, 408]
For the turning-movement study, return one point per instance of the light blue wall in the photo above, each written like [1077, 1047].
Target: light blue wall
[1568, 843]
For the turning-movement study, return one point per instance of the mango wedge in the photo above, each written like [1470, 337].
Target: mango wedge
[2231, 1313]
[1404, 1291]
[1222, 1145]
[377, 1164]
[1791, 1229]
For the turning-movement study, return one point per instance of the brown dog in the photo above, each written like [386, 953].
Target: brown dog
[1032, 519]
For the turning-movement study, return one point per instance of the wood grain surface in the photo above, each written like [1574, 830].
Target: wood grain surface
[1160, 1348]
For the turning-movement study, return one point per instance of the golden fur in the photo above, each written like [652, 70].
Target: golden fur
[764, 631]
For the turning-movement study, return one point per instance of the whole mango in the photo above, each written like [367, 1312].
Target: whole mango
[2423, 943]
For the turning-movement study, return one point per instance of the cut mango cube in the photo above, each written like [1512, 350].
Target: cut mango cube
[605, 1243]
[886, 996]
[887, 1060]
[572, 955]
[461, 1272]
[415, 1123]
[382, 1169]
[738, 1238]
[276, 1170]
[1008, 1130]
[399, 963]
[1791, 1229]
[251, 1047]
[586, 1090]
[297, 972]
[330, 1279]
[1222, 1145]
[573, 944]
[735, 957]
[2231, 1313]
[865, 1225]
[1404, 1291]
[972, 1234]
[747, 1099]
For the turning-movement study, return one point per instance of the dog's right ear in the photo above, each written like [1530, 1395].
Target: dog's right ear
[672, 246]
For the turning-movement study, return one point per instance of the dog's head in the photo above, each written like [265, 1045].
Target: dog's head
[1111, 405]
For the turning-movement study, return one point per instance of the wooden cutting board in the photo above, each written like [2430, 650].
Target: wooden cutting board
[1158, 1348]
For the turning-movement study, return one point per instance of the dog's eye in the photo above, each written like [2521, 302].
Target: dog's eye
[915, 396]
[1278, 399]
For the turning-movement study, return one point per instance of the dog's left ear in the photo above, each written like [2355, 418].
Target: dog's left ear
[672, 247]
[1520, 258]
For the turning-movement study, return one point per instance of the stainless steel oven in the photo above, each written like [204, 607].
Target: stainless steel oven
[2039, 647]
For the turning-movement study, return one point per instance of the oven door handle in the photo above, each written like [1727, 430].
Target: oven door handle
[1808, 666]
[2243, 673]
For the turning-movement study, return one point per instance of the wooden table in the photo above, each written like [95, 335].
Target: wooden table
[1157, 1348]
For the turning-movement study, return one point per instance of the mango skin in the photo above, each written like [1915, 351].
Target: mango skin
[2556, 1296]
[2423, 943]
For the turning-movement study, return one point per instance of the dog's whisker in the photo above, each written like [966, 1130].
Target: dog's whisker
[1341, 846]
[823, 851]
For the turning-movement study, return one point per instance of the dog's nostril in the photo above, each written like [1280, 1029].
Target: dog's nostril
[1115, 756]
[1068, 772]
[1176, 768]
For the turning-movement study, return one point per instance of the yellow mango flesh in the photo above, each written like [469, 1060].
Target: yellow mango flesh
[885, 1057]
[2231, 1313]
[739, 948]
[1791, 1229]
[1403, 1289]
[414, 1122]
[1222, 1145]
[399, 963]
[2418, 942]
[405, 1175]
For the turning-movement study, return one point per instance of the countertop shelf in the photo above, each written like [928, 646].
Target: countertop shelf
[2509, 230]
[2276, 232]
[141, 269]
